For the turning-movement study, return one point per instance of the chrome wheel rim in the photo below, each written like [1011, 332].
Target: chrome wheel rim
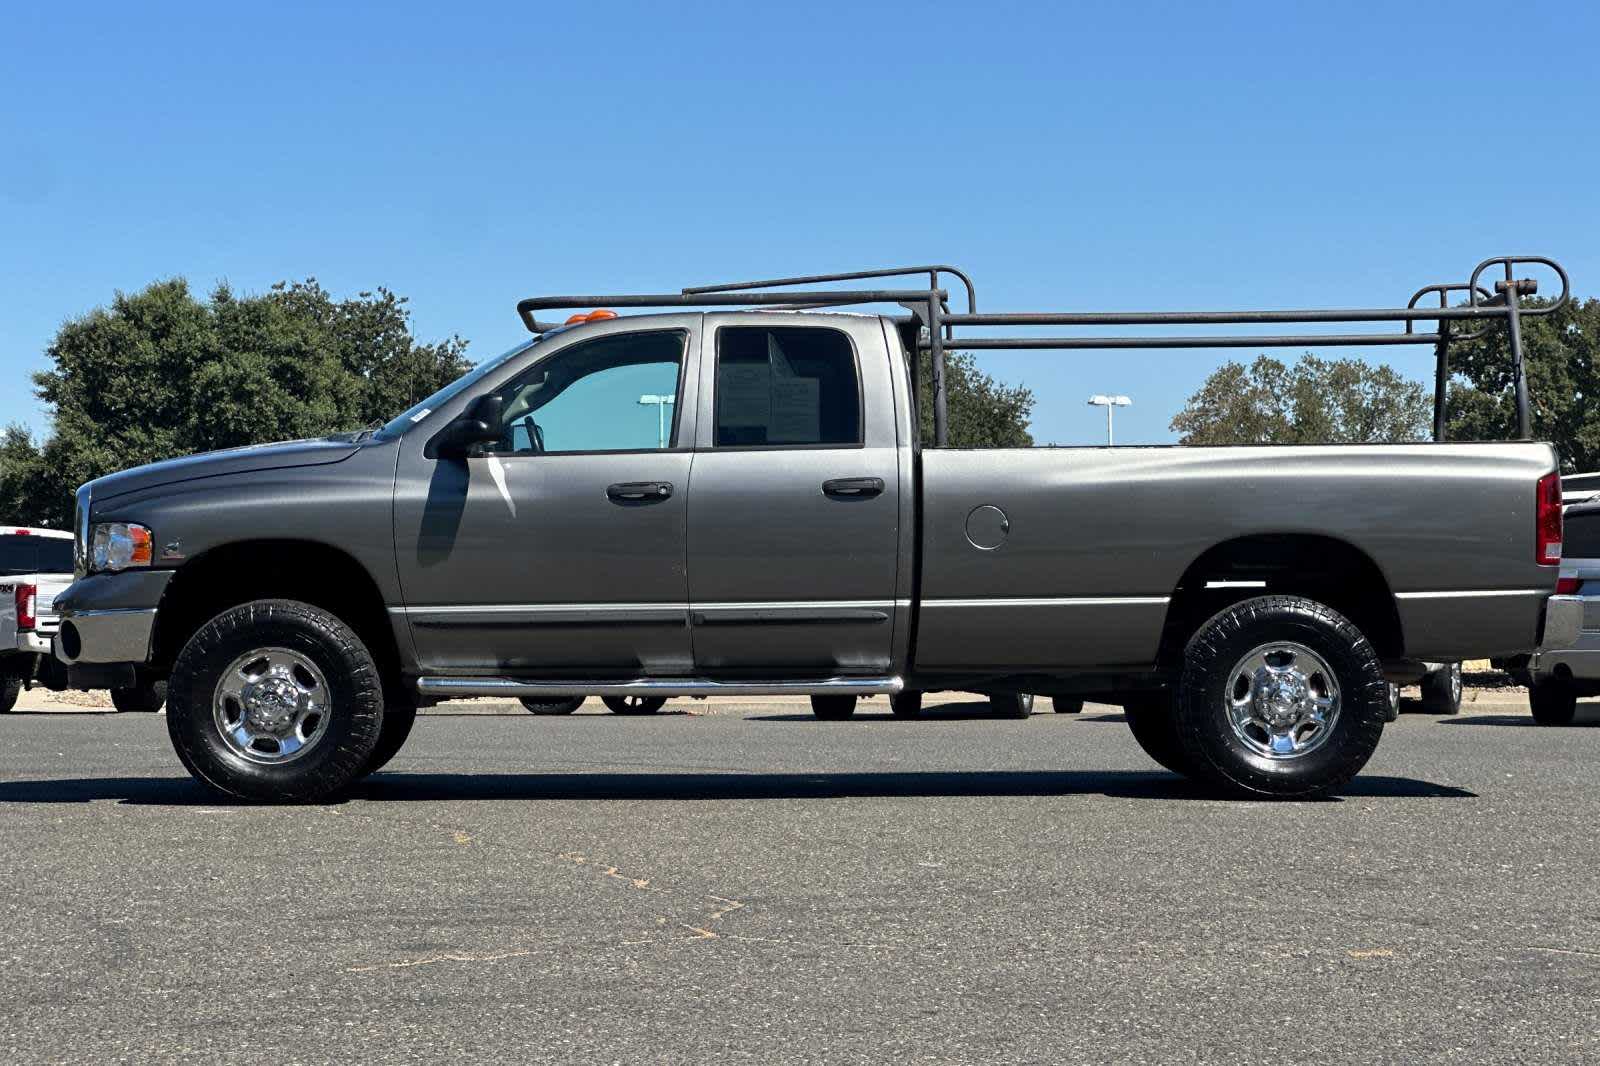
[1282, 700]
[1455, 682]
[271, 705]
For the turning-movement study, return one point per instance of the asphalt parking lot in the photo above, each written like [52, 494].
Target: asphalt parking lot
[755, 886]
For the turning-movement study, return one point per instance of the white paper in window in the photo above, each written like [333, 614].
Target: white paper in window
[744, 395]
[796, 401]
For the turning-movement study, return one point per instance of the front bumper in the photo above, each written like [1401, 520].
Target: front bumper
[115, 636]
[109, 618]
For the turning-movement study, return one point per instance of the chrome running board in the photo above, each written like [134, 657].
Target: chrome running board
[452, 687]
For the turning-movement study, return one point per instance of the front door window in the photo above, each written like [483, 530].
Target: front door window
[613, 394]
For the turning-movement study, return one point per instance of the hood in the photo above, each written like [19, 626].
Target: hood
[315, 452]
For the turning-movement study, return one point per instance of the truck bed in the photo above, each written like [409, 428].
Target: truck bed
[1099, 541]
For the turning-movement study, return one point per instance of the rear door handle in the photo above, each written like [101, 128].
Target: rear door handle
[638, 491]
[853, 487]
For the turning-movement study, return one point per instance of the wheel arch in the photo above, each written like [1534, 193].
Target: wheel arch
[312, 571]
[1319, 567]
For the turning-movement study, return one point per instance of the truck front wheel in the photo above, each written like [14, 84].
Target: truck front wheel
[560, 705]
[1154, 723]
[1553, 701]
[1280, 696]
[275, 700]
[833, 708]
[634, 704]
[145, 698]
[1012, 704]
[397, 722]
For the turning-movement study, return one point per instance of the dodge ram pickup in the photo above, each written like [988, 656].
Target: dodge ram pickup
[701, 502]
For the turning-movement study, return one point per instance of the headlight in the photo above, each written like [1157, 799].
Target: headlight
[118, 545]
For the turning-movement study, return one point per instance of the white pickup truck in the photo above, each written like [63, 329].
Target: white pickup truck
[35, 564]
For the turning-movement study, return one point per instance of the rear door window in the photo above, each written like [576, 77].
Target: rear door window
[786, 386]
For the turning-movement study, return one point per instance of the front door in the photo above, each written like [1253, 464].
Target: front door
[559, 551]
[794, 521]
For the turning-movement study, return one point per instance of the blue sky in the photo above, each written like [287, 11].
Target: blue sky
[1115, 156]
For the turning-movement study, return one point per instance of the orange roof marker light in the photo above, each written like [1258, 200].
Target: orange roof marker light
[592, 316]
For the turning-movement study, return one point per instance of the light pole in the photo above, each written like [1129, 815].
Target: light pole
[1109, 402]
[661, 403]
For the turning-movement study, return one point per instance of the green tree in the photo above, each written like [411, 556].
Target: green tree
[160, 374]
[1562, 352]
[1315, 401]
[983, 413]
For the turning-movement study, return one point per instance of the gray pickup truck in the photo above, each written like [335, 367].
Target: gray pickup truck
[704, 502]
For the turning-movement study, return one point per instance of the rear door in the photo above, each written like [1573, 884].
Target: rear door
[795, 514]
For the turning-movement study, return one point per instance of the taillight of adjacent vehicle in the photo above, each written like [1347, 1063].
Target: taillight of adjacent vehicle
[27, 606]
[1547, 522]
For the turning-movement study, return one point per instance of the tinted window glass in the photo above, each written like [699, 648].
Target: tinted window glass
[616, 393]
[791, 385]
[35, 555]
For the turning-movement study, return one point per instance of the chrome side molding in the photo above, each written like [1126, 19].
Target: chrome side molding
[449, 687]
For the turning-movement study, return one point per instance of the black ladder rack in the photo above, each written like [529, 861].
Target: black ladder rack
[931, 307]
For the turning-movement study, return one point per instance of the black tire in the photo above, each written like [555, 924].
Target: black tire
[144, 698]
[1441, 690]
[1222, 757]
[1011, 704]
[833, 708]
[1153, 720]
[1553, 702]
[1391, 711]
[1066, 704]
[397, 722]
[563, 705]
[634, 704]
[349, 732]
[906, 704]
[10, 689]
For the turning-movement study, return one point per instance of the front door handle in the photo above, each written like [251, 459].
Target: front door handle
[853, 488]
[638, 491]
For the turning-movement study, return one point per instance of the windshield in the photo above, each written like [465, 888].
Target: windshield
[416, 413]
[29, 554]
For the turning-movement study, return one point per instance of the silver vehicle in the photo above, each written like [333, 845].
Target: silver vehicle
[538, 530]
[1557, 679]
[35, 564]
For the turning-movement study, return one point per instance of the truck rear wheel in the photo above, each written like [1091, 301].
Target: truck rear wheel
[1153, 721]
[1280, 696]
[1553, 702]
[833, 708]
[10, 688]
[275, 700]
[1441, 690]
[1066, 704]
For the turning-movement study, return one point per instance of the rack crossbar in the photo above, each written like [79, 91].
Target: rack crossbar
[930, 305]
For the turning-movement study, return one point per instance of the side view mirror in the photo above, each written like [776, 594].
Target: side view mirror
[478, 424]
